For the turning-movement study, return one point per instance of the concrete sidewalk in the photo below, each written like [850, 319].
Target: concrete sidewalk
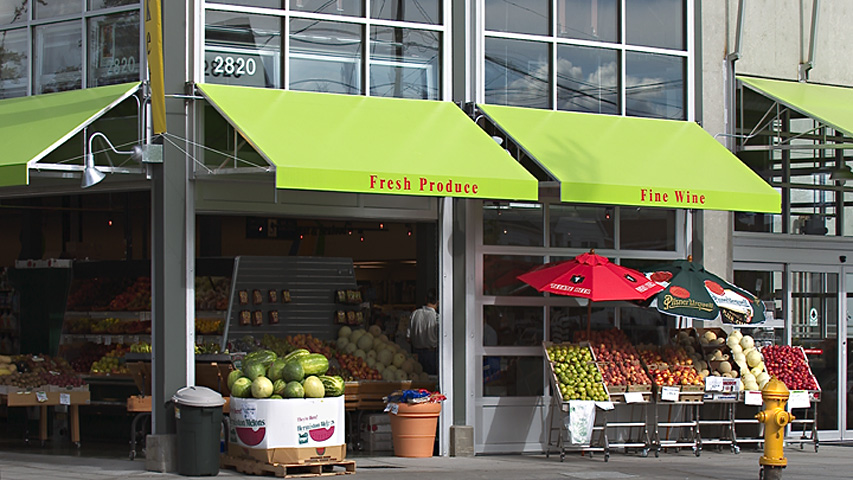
[830, 463]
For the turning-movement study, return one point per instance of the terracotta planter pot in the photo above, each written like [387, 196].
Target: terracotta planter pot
[413, 429]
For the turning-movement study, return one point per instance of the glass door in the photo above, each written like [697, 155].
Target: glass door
[815, 326]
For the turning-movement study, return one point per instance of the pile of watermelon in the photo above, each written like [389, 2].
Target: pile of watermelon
[299, 374]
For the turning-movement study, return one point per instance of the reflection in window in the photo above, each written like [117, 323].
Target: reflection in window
[99, 4]
[656, 23]
[517, 73]
[325, 56]
[55, 8]
[505, 376]
[567, 322]
[251, 3]
[596, 20]
[114, 49]
[13, 63]
[351, 8]
[500, 274]
[420, 11]
[59, 57]
[812, 212]
[647, 228]
[654, 86]
[588, 79]
[512, 224]
[242, 49]
[512, 326]
[574, 226]
[404, 63]
[12, 11]
[518, 16]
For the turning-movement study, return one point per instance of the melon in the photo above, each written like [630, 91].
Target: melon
[370, 361]
[233, 376]
[385, 356]
[725, 367]
[356, 334]
[242, 388]
[709, 336]
[262, 387]
[753, 359]
[375, 330]
[371, 354]
[344, 331]
[747, 342]
[400, 375]
[342, 342]
[398, 359]
[313, 387]
[255, 370]
[365, 342]
[292, 371]
[293, 390]
[278, 387]
[350, 348]
[274, 372]
[360, 354]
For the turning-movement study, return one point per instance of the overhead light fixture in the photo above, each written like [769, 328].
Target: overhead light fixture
[841, 174]
[91, 174]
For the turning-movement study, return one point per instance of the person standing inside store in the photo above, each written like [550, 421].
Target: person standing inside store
[424, 333]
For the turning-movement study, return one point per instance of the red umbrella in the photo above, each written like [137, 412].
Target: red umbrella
[592, 277]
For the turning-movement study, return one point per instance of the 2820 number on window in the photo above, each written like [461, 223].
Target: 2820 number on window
[228, 66]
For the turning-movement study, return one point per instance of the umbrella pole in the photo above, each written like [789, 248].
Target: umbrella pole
[588, 319]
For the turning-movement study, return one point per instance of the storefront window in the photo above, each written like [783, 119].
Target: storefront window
[99, 4]
[404, 63]
[114, 49]
[242, 49]
[500, 272]
[13, 11]
[326, 56]
[566, 322]
[506, 376]
[654, 86]
[512, 224]
[588, 79]
[13, 63]
[352, 8]
[251, 3]
[647, 228]
[512, 326]
[58, 57]
[596, 20]
[581, 226]
[55, 8]
[656, 23]
[520, 16]
[418, 11]
[517, 73]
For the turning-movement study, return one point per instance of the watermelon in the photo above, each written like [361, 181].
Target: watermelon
[264, 357]
[334, 386]
[293, 390]
[295, 354]
[233, 376]
[313, 387]
[242, 388]
[292, 371]
[254, 370]
[262, 387]
[274, 372]
[278, 387]
[314, 363]
[277, 397]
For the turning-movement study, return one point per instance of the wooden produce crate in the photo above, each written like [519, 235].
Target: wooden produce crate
[370, 394]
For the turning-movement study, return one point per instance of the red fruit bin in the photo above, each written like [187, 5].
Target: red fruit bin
[783, 361]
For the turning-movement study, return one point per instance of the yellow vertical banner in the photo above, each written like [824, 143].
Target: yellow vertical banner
[154, 52]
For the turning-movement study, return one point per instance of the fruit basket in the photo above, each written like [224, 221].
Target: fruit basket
[574, 373]
[791, 366]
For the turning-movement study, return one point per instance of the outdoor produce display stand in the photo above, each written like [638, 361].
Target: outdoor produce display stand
[43, 399]
[791, 366]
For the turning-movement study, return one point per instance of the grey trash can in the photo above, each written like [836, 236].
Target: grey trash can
[198, 415]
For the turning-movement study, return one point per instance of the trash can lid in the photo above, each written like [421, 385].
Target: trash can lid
[195, 396]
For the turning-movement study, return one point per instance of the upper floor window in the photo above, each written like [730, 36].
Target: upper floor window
[396, 53]
[43, 45]
[596, 56]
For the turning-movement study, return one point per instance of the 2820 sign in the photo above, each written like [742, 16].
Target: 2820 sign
[230, 66]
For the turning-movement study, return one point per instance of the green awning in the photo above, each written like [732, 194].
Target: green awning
[830, 105]
[348, 143]
[33, 126]
[634, 161]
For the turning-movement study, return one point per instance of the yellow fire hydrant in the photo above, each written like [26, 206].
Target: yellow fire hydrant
[775, 418]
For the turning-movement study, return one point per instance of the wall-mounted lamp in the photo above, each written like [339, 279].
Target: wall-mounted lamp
[91, 174]
[841, 174]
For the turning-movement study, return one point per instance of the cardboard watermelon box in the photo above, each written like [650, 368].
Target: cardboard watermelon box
[288, 431]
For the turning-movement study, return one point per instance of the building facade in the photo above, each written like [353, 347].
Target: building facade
[573, 62]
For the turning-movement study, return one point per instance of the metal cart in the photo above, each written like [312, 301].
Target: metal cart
[807, 419]
[690, 401]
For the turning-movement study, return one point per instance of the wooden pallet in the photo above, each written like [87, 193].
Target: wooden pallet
[254, 467]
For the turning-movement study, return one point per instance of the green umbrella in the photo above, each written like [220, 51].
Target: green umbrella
[691, 291]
